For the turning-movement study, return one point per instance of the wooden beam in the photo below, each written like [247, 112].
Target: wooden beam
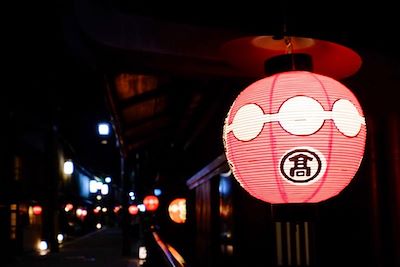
[217, 166]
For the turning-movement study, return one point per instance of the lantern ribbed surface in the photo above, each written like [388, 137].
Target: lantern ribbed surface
[295, 137]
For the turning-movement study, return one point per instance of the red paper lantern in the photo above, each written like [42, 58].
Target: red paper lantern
[37, 210]
[68, 207]
[133, 209]
[177, 210]
[295, 137]
[151, 203]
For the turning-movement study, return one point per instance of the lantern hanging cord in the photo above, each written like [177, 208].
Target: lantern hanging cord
[286, 38]
[289, 51]
[289, 45]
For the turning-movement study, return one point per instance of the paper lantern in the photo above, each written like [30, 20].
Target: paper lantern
[37, 210]
[68, 207]
[295, 137]
[151, 203]
[133, 210]
[177, 210]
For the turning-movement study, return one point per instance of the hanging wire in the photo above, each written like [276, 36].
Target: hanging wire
[286, 37]
[289, 51]
[289, 44]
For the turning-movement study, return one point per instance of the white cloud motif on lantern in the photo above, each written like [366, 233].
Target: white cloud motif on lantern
[299, 115]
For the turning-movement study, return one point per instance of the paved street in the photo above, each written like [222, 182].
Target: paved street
[98, 249]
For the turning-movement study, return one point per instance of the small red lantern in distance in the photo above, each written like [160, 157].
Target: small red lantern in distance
[133, 209]
[68, 207]
[295, 137]
[151, 203]
[37, 210]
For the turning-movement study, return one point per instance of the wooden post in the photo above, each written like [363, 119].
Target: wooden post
[294, 234]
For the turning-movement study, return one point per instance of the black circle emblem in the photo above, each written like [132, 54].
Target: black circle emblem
[301, 166]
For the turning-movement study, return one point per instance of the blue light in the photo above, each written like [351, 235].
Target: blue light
[103, 129]
[225, 184]
[157, 192]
